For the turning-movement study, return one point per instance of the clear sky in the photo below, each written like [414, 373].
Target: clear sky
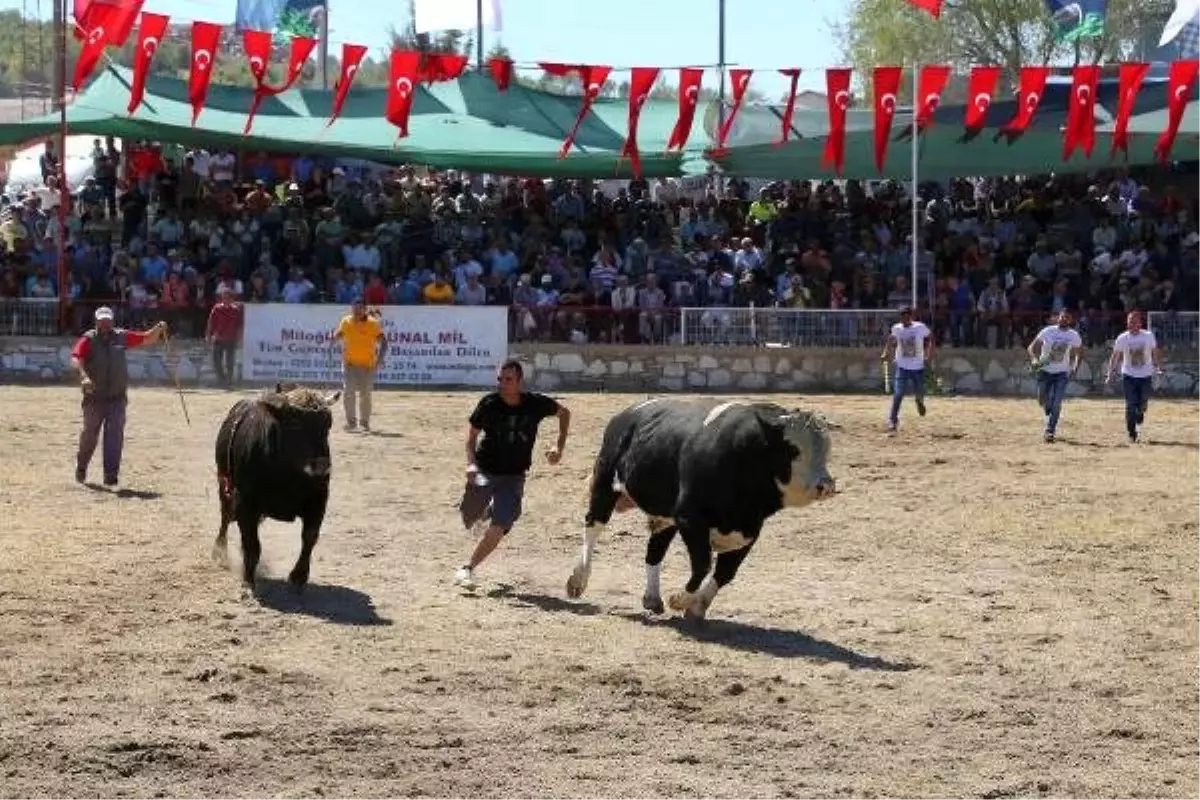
[764, 35]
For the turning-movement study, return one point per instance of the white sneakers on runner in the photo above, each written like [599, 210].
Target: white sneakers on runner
[465, 577]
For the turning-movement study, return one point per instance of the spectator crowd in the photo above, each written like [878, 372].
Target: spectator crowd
[585, 261]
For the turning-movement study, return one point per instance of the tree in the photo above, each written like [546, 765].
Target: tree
[1007, 33]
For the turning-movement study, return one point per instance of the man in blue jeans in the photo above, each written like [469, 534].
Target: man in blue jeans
[1055, 353]
[910, 347]
[1140, 358]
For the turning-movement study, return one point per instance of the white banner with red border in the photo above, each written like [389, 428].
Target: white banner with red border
[427, 345]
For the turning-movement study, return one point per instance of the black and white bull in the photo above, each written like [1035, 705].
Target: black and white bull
[710, 470]
[273, 461]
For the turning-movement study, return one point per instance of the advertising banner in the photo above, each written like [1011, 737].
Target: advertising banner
[427, 345]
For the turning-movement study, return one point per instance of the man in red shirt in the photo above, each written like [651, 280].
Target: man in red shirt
[224, 331]
[376, 293]
[100, 358]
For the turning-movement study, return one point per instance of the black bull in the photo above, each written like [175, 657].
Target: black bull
[712, 471]
[273, 461]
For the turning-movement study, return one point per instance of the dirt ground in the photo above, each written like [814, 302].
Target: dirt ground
[978, 614]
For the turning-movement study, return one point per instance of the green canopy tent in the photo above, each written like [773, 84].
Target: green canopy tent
[751, 151]
[464, 124]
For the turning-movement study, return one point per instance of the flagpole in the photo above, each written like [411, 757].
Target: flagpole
[60, 93]
[916, 154]
[323, 47]
[720, 76]
[479, 35]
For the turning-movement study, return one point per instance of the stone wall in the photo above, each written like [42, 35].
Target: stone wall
[648, 369]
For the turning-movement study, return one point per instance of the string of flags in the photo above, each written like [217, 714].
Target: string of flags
[113, 24]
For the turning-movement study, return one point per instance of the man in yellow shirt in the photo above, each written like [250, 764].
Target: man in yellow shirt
[439, 292]
[363, 349]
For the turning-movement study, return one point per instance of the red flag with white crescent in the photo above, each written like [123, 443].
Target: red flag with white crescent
[641, 81]
[740, 80]
[1033, 86]
[837, 96]
[689, 95]
[402, 85]
[502, 72]
[932, 7]
[790, 108]
[258, 46]
[151, 31]
[930, 85]
[442, 67]
[886, 88]
[980, 87]
[1130, 83]
[1081, 116]
[87, 12]
[104, 23]
[592, 76]
[352, 56]
[1180, 81]
[206, 36]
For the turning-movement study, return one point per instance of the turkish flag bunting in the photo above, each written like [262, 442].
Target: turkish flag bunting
[689, 93]
[1180, 82]
[352, 56]
[837, 96]
[151, 30]
[205, 38]
[641, 81]
[442, 67]
[1129, 84]
[934, 7]
[1033, 84]
[886, 87]
[257, 45]
[1081, 116]
[103, 20]
[502, 72]
[740, 79]
[790, 108]
[402, 80]
[593, 77]
[930, 86]
[88, 12]
[980, 87]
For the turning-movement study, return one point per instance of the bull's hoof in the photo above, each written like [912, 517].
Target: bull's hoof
[576, 584]
[695, 614]
[248, 595]
[220, 556]
[297, 582]
[680, 601]
[653, 603]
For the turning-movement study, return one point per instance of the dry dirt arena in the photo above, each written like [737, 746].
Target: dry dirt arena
[978, 614]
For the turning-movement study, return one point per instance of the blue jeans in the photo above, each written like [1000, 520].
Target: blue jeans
[906, 378]
[1052, 389]
[1137, 398]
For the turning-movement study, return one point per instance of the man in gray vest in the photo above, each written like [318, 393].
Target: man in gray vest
[99, 356]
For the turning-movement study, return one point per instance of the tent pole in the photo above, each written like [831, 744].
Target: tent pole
[916, 214]
[323, 47]
[64, 194]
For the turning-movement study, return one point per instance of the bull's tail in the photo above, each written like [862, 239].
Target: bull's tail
[605, 486]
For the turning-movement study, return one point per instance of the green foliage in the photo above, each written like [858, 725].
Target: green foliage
[1007, 33]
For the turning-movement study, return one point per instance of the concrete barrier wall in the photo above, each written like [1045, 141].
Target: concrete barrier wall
[650, 369]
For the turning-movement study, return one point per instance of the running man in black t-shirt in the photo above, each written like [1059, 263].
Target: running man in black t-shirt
[508, 419]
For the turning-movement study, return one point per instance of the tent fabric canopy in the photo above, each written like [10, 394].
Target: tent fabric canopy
[464, 124]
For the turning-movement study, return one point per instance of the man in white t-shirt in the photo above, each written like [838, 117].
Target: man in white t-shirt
[1140, 358]
[910, 347]
[1055, 354]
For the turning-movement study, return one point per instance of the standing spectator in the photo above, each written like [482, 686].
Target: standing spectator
[100, 358]
[223, 333]
[363, 351]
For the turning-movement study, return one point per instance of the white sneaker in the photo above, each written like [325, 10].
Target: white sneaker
[465, 577]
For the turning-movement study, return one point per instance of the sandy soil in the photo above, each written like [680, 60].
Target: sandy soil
[978, 614]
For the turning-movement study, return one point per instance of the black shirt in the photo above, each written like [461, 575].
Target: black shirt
[509, 431]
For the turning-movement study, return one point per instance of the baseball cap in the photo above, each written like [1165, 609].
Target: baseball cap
[104, 312]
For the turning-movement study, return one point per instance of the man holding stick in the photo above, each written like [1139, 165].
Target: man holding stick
[100, 359]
